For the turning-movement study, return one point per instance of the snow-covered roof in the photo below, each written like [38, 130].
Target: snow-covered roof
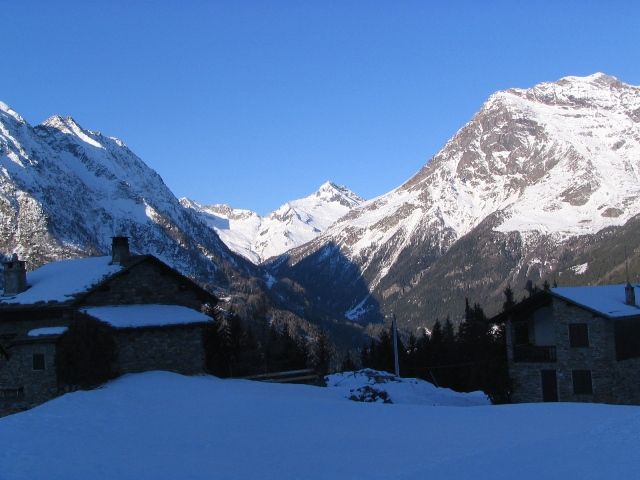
[131, 316]
[59, 281]
[38, 332]
[608, 300]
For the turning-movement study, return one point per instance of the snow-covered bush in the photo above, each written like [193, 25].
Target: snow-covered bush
[85, 354]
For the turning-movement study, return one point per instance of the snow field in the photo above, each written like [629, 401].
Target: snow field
[160, 425]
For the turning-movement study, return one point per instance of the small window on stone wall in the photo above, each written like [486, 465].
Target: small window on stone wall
[578, 335]
[12, 393]
[627, 335]
[38, 361]
[521, 333]
[582, 382]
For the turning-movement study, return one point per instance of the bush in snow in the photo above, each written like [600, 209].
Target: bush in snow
[369, 394]
[85, 353]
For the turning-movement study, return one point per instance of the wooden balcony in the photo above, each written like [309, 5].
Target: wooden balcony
[534, 353]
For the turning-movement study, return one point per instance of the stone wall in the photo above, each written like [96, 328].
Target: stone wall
[177, 349]
[599, 356]
[16, 324]
[144, 283]
[17, 373]
[612, 381]
[627, 386]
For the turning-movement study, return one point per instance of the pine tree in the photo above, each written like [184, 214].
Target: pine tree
[348, 365]
[509, 299]
[322, 353]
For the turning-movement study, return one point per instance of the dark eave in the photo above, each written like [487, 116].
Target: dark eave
[539, 299]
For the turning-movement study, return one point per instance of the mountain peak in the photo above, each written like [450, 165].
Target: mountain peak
[290, 225]
[329, 185]
[7, 110]
[332, 192]
[64, 124]
[597, 90]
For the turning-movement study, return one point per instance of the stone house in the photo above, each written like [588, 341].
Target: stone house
[155, 312]
[575, 344]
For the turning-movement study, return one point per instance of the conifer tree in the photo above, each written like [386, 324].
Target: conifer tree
[322, 353]
[509, 299]
[348, 365]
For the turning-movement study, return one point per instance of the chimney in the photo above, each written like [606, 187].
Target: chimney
[119, 250]
[629, 295]
[15, 276]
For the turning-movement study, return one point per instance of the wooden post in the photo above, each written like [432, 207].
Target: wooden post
[395, 345]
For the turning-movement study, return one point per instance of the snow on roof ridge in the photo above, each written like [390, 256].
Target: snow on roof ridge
[146, 315]
[79, 275]
[38, 332]
[608, 300]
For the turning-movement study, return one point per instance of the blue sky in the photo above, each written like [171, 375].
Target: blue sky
[253, 103]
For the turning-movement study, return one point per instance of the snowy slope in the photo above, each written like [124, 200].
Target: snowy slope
[292, 224]
[65, 191]
[560, 157]
[558, 160]
[164, 426]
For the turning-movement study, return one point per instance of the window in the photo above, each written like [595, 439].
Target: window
[582, 382]
[38, 361]
[521, 333]
[578, 335]
[12, 393]
[627, 335]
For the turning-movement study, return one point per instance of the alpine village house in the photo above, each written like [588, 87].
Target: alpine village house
[575, 344]
[154, 311]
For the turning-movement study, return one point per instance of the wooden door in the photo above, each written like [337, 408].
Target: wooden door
[549, 386]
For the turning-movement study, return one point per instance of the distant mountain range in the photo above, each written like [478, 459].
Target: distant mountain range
[542, 184]
[518, 193]
[291, 225]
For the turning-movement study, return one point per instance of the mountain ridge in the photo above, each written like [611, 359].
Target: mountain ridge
[294, 223]
[65, 190]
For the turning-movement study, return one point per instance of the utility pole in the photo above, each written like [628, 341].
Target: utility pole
[394, 327]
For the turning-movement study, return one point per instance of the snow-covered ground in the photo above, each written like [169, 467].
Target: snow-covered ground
[160, 425]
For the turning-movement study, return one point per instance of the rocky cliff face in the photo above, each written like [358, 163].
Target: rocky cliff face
[532, 171]
[65, 190]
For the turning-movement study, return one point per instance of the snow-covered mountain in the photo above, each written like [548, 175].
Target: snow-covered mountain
[532, 169]
[291, 225]
[65, 190]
